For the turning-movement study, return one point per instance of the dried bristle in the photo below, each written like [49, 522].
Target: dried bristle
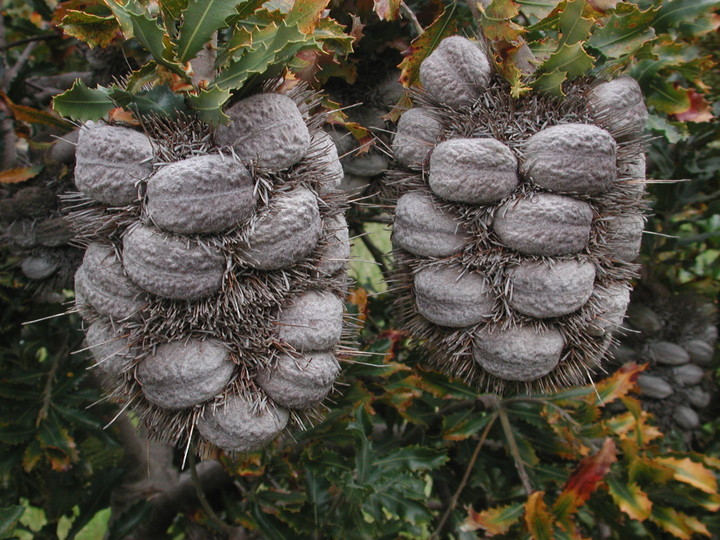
[512, 121]
[243, 313]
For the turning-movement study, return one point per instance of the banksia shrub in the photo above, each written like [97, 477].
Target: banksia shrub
[676, 336]
[213, 281]
[517, 220]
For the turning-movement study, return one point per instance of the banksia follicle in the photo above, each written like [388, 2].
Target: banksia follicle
[213, 280]
[517, 221]
[676, 336]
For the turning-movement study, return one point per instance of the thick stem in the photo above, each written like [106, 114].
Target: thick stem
[514, 450]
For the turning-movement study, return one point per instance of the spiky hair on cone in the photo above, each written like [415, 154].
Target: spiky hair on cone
[213, 281]
[516, 221]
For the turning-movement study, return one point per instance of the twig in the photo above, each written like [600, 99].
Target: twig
[11, 73]
[514, 450]
[410, 15]
[465, 478]
[376, 252]
[47, 391]
[41, 37]
[202, 499]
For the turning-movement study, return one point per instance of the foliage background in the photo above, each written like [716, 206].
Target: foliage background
[403, 452]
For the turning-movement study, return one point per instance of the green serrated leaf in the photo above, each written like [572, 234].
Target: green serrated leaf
[208, 105]
[92, 29]
[674, 132]
[573, 26]
[139, 78]
[149, 32]
[201, 20]
[83, 103]
[625, 32]
[571, 59]
[159, 100]
[122, 16]
[283, 42]
[676, 12]
[537, 8]
[551, 83]
[9, 518]
[332, 34]
[412, 458]
[629, 498]
[174, 8]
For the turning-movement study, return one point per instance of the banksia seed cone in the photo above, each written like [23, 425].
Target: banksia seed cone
[517, 221]
[214, 275]
[676, 336]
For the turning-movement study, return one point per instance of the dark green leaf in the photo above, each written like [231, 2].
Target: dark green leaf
[412, 458]
[208, 105]
[676, 12]
[9, 518]
[129, 520]
[537, 8]
[159, 100]
[201, 19]
[573, 25]
[625, 32]
[551, 83]
[83, 103]
[570, 59]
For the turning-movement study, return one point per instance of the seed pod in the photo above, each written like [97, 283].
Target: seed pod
[267, 129]
[476, 171]
[518, 354]
[423, 229]
[111, 350]
[299, 383]
[417, 133]
[644, 319]
[313, 322]
[54, 232]
[366, 165]
[22, 233]
[698, 397]
[337, 251]
[624, 236]
[201, 194]
[686, 418]
[544, 225]
[612, 302]
[701, 352]
[543, 291]
[619, 107]
[570, 158]
[709, 333]
[287, 231]
[669, 354]
[631, 172]
[456, 72]
[654, 387]
[185, 373]
[171, 266]
[236, 427]
[39, 267]
[101, 282]
[326, 156]
[109, 163]
[688, 375]
[34, 201]
[448, 297]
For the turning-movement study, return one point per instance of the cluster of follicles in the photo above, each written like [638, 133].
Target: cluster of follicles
[214, 275]
[517, 221]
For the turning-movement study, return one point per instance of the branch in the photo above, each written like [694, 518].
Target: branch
[410, 15]
[515, 451]
[32, 39]
[465, 478]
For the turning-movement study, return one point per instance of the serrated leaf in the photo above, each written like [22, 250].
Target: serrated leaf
[201, 19]
[463, 425]
[387, 10]
[698, 111]
[421, 47]
[159, 100]
[573, 26]
[9, 518]
[667, 97]
[83, 103]
[690, 472]
[551, 83]
[31, 456]
[585, 480]
[538, 519]
[497, 24]
[306, 14]
[20, 174]
[537, 8]
[30, 115]
[92, 29]
[412, 458]
[570, 59]
[672, 521]
[12, 435]
[208, 105]
[676, 12]
[282, 44]
[630, 499]
[332, 33]
[493, 521]
[618, 385]
[121, 12]
[174, 8]
[625, 32]
[149, 32]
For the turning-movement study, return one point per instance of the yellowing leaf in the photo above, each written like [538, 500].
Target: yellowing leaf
[677, 523]
[630, 499]
[20, 174]
[537, 8]
[493, 521]
[698, 111]
[497, 24]
[387, 10]
[537, 518]
[306, 14]
[690, 472]
[94, 30]
[618, 385]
